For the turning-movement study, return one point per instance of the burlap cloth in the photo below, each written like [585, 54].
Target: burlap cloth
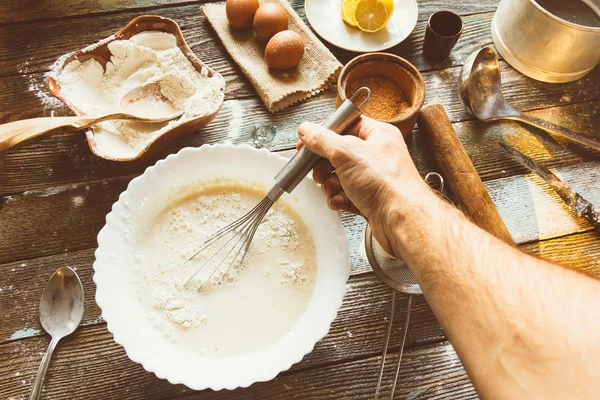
[317, 70]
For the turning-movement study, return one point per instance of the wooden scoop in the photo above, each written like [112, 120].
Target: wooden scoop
[145, 103]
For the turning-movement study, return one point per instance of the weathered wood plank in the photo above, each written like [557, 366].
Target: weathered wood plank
[358, 330]
[580, 252]
[24, 64]
[31, 49]
[66, 158]
[481, 140]
[22, 287]
[522, 92]
[13, 12]
[31, 58]
[25, 94]
[433, 371]
[23, 283]
[62, 219]
[29, 227]
[532, 211]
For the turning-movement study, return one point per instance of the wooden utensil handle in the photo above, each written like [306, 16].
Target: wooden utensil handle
[458, 171]
[19, 132]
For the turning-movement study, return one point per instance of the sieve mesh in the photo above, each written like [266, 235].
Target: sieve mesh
[393, 271]
[396, 269]
[396, 274]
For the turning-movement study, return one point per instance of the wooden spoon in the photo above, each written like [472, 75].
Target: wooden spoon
[145, 103]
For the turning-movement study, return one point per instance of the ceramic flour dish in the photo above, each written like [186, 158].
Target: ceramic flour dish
[143, 200]
[101, 54]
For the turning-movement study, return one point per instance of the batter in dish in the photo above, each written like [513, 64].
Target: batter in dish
[256, 303]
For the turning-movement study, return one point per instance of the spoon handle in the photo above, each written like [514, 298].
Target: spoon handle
[36, 391]
[17, 132]
[585, 140]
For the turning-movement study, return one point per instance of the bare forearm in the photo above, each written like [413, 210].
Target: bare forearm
[523, 327]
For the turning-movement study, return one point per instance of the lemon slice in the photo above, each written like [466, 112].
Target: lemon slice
[389, 6]
[371, 15]
[348, 8]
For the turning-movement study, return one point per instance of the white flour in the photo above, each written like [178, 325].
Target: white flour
[264, 297]
[145, 57]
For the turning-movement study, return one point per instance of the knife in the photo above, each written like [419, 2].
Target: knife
[578, 205]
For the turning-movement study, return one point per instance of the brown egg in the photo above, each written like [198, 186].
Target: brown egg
[240, 13]
[284, 50]
[269, 19]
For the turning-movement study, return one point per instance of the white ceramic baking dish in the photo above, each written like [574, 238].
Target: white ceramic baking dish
[144, 198]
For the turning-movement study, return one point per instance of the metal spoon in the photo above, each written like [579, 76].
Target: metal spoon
[61, 310]
[145, 103]
[481, 94]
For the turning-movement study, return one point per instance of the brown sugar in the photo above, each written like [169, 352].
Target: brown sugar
[387, 100]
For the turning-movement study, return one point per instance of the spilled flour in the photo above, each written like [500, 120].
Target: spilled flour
[146, 57]
[263, 297]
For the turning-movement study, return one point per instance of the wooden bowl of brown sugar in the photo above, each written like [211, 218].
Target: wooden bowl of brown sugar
[398, 90]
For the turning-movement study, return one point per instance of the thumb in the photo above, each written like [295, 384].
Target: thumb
[321, 141]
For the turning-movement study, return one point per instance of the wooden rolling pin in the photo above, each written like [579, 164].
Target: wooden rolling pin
[458, 171]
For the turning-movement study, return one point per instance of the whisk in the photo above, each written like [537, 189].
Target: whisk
[237, 236]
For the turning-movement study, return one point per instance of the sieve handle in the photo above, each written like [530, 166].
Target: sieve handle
[304, 160]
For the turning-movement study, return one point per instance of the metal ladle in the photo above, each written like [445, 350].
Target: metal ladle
[144, 103]
[481, 93]
[61, 310]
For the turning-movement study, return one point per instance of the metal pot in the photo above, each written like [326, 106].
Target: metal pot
[544, 46]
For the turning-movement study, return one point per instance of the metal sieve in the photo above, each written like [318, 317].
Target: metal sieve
[396, 274]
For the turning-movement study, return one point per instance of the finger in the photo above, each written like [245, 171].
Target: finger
[332, 186]
[362, 128]
[322, 141]
[341, 202]
[366, 128]
[337, 202]
[322, 170]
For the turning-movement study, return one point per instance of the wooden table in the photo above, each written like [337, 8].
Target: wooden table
[55, 194]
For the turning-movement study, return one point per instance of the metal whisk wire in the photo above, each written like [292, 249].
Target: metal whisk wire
[244, 228]
[286, 180]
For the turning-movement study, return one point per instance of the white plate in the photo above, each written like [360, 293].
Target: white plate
[326, 19]
[144, 198]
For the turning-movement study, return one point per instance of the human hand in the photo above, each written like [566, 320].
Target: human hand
[368, 171]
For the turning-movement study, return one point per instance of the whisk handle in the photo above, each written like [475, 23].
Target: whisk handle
[303, 161]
